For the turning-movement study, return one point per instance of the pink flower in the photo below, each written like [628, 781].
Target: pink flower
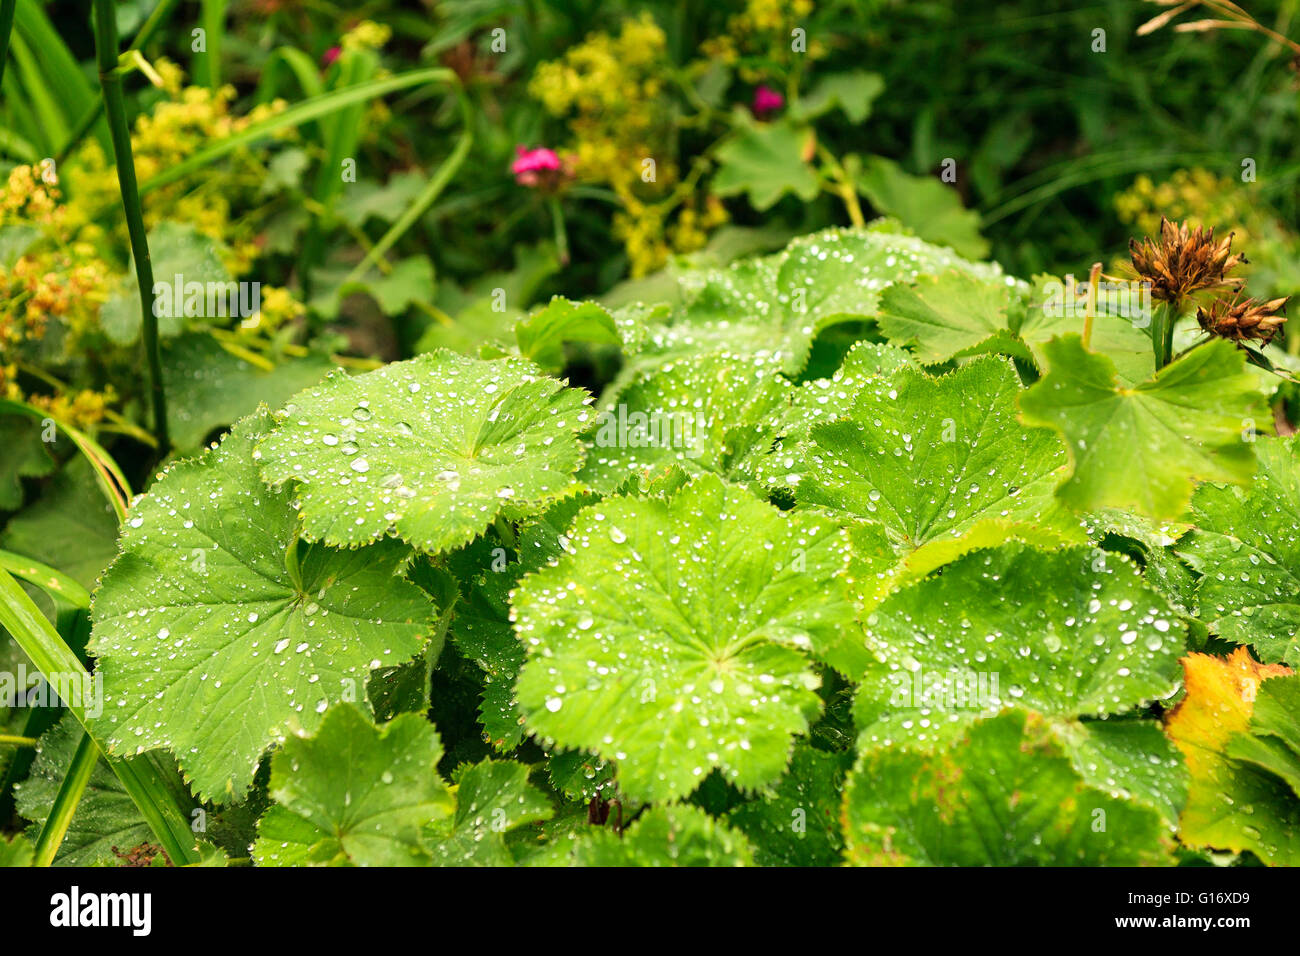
[767, 101]
[537, 167]
[330, 56]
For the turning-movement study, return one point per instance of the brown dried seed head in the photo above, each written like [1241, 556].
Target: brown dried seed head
[1243, 320]
[1184, 261]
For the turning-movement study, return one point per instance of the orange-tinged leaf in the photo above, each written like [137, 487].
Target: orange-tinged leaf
[1230, 804]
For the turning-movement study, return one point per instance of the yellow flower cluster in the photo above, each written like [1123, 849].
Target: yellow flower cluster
[66, 273]
[81, 410]
[31, 194]
[366, 35]
[764, 29]
[611, 90]
[178, 128]
[279, 308]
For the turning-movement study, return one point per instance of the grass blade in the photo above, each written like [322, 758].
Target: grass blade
[6, 28]
[422, 202]
[139, 775]
[111, 480]
[296, 115]
[53, 582]
[110, 79]
[65, 803]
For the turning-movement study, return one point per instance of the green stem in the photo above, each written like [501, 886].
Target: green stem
[7, 8]
[92, 114]
[1162, 332]
[9, 740]
[110, 80]
[504, 531]
[561, 233]
[65, 803]
[422, 202]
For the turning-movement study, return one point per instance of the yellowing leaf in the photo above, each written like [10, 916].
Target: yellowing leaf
[1231, 804]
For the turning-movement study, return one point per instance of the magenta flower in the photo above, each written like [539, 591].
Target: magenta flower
[767, 101]
[330, 56]
[537, 167]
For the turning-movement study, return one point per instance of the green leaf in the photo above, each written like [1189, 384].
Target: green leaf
[410, 280]
[1003, 795]
[105, 819]
[15, 850]
[713, 412]
[70, 526]
[353, 794]
[766, 161]
[1246, 547]
[923, 204]
[483, 633]
[431, 449]
[1082, 637]
[798, 823]
[542, 335]
[852, 92]
[780, 303]
[180, 253]
[1124, 339]
[662, 836]
[1274, 739]
[492, 798]
[1141, 448]
[934, 461]
[947, 315]
[26, 456]
[668, 638]
[214, 608]
[208, 388]
[1236, 801]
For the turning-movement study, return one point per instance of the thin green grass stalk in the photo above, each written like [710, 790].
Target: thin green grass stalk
[207, 71]
[65, 803]
[7, 8]
[92, 115]
[110, 79]
[436, 184]
[140, 776]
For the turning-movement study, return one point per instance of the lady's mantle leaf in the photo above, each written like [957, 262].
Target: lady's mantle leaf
[1232, 804]
[1246, 546]
[662, 836]
[668, 639]
[936, 460]
[354, 795]
[492, 798]
[1141, 448]
[797, 824]
[1057, 632]
[713, 412]
[15, 851]
[210, 643]
[1004, 794]
[780, 303]
[1274, 739]
[432, 449]
[947, 315]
